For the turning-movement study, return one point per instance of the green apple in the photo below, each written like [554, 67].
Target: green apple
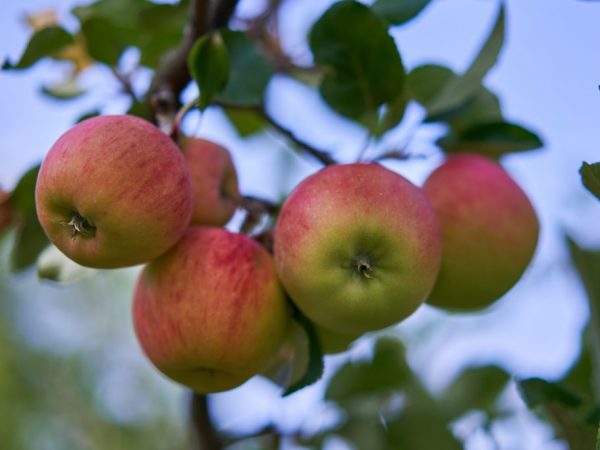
[114, 191]
[214, 179]
[489, 227]
[357, 247]
[210, 313]
[334, 342]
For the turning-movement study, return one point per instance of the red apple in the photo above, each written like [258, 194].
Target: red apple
[114, 191]
[214, 179]
[489, 229]
[210, 312]
[357, 247]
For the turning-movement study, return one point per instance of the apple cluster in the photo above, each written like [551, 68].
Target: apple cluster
[357, 247]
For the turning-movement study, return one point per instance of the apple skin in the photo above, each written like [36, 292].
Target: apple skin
[489, 228]
[210, 313]
[214, 179]
[124, 183]
[333, 342]
[357, 247]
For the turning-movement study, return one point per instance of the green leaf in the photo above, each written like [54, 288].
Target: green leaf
[314, 370]
[461, 89]
[88, 115]
[387, 371]
[245, 121]
[475, 388]
[110, 26]
[425, 83]
[64, 90]
[105, 42]
[491, 139]
[563, 408]
[249, 70]
[208, 64]
[362, 74]
[419, 428]
[30, 238]
[590, 177]
[397, 12]
[43, 43]
[392, 116]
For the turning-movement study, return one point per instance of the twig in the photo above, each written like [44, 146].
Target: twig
[125, 83]
[205, 436]
[321, 156]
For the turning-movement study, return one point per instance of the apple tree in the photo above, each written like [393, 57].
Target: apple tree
[303, 271]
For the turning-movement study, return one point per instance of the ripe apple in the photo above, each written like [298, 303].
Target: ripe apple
[114, 191]
[214, 179]
[210, 312]
[489, 230]
[357, 247]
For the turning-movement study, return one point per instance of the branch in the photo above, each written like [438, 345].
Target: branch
[205, 436]
[321, 156]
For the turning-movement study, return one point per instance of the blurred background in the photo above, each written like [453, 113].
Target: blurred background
[71, 373]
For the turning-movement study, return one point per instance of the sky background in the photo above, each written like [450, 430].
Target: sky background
[547, 79]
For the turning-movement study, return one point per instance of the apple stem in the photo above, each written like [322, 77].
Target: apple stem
[81, 225]
[363, 266]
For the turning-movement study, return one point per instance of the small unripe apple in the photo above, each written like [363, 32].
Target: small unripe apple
[489, 228]
[214, 179]
[210, 312]
[114, 191]
[357, 247]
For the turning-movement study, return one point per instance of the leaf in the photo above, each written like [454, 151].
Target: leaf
[53, 265]
[30, 238]
[208, 64]
[314, 370]
[249, 70]
[246, 122]
[387, 371]
[392, 116]
[88, 115]
[590, 177]
[475, 388]
[43, 43]
[397, 12]
[64, 90]
[362, 73]
[105, 42]
[563, 408]
[110, 26]
[461, 89]
[491, 139]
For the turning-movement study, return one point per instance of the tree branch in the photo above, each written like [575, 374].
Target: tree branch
[321, 156]
[205, 436]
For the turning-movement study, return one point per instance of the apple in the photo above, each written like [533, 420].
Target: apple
[210, 313]
[114, 191]
[357, 247]
[489, 228]
[333, 342]
[214, 179]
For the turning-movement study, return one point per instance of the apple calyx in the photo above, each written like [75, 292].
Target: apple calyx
[363, 266]
[81, 226]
